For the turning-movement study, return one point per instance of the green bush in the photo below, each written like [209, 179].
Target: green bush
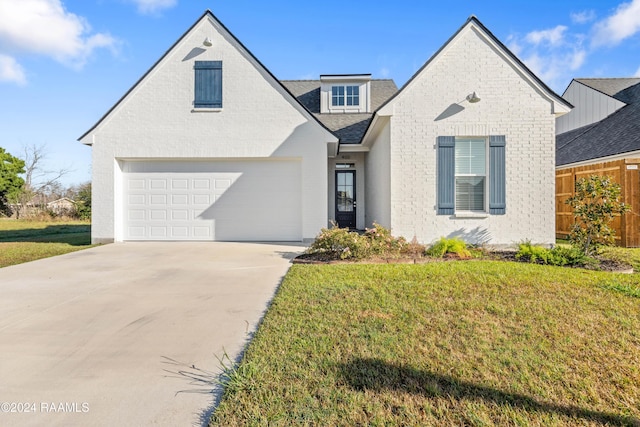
[449, 246]
[558, 255]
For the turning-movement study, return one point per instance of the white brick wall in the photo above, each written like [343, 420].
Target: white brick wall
[156, 121]
[510, 105]
[378, 175]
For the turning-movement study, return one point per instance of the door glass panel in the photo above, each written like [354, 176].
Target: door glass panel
[344, 192]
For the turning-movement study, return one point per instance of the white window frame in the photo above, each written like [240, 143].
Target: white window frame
[345, 97]
[485, 195]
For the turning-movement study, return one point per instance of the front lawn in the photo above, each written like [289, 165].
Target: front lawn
[479, 343]
[23, 241]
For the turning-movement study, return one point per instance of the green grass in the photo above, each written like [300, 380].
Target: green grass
[24, 241]
[478, 343]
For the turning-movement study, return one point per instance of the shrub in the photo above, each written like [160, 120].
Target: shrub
[381, 242]
[449, 246]
[595, 203]
[413, 248]
[340, 243]
[558, 255]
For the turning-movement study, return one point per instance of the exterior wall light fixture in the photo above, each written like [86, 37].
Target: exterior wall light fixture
[473, 98]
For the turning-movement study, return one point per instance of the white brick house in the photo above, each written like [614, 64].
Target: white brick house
[209, 145]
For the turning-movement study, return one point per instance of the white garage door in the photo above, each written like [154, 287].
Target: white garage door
[214, 200]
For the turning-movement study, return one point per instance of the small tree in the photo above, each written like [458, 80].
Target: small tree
[595, 204]
[38, 181]
[10, 181]
[83, 199]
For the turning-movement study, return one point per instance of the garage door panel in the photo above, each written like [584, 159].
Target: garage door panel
[180, 184]
[218, 200]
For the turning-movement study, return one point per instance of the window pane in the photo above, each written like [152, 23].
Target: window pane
[337, 95]
[353, 95]
[470, 156]
[470, 193]
[349, 178]
[345, 199]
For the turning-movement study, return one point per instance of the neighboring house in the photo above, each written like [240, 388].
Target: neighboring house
[62, 206]
[601, 136]
[209, 145]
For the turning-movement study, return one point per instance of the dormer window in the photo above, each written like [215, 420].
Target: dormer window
[345, 93]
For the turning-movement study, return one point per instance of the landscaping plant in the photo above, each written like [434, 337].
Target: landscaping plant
[449, 246]
[595, 204]
[340, 243]
[558, 255]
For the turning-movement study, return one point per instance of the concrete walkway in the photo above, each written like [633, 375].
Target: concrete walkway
[129, 334]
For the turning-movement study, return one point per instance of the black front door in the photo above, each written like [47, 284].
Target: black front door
[346, 198]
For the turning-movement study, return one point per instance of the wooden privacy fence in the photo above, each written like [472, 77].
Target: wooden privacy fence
[625, 172]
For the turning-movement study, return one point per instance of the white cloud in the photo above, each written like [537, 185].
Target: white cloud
[583, 17]
[624, 23]
[11, 71]
[514, 45]
[45, 28]
[552, 36]
[153, 6]
[637, 74]
[553, 54]
[554, 68]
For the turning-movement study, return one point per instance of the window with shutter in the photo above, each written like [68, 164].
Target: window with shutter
[465, 184]
[208, 84]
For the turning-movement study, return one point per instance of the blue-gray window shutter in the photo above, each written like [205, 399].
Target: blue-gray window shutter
[208, 84]
[446, 175]
[497, 180]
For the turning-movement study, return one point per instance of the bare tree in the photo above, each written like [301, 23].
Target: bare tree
[38, 180]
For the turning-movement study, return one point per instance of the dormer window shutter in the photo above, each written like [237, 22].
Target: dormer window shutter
[208, 84]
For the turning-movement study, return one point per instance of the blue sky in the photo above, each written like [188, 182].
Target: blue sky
[64, 63]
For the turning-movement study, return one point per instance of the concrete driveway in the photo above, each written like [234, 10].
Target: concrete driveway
[128, 334]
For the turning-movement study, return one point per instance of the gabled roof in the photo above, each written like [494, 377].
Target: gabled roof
[609, 86]
[349, 127]
[63, 199]
[239, 44]
[472, 20]
[616, 134]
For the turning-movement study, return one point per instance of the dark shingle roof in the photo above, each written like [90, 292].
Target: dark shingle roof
[350, 128]
[616, 134]
[611, 86]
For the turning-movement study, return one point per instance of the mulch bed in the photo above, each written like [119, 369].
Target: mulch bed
[604, 264]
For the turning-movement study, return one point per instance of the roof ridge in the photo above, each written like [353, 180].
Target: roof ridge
[317, 80]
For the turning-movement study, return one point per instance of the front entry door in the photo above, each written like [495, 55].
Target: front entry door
[346, 199]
